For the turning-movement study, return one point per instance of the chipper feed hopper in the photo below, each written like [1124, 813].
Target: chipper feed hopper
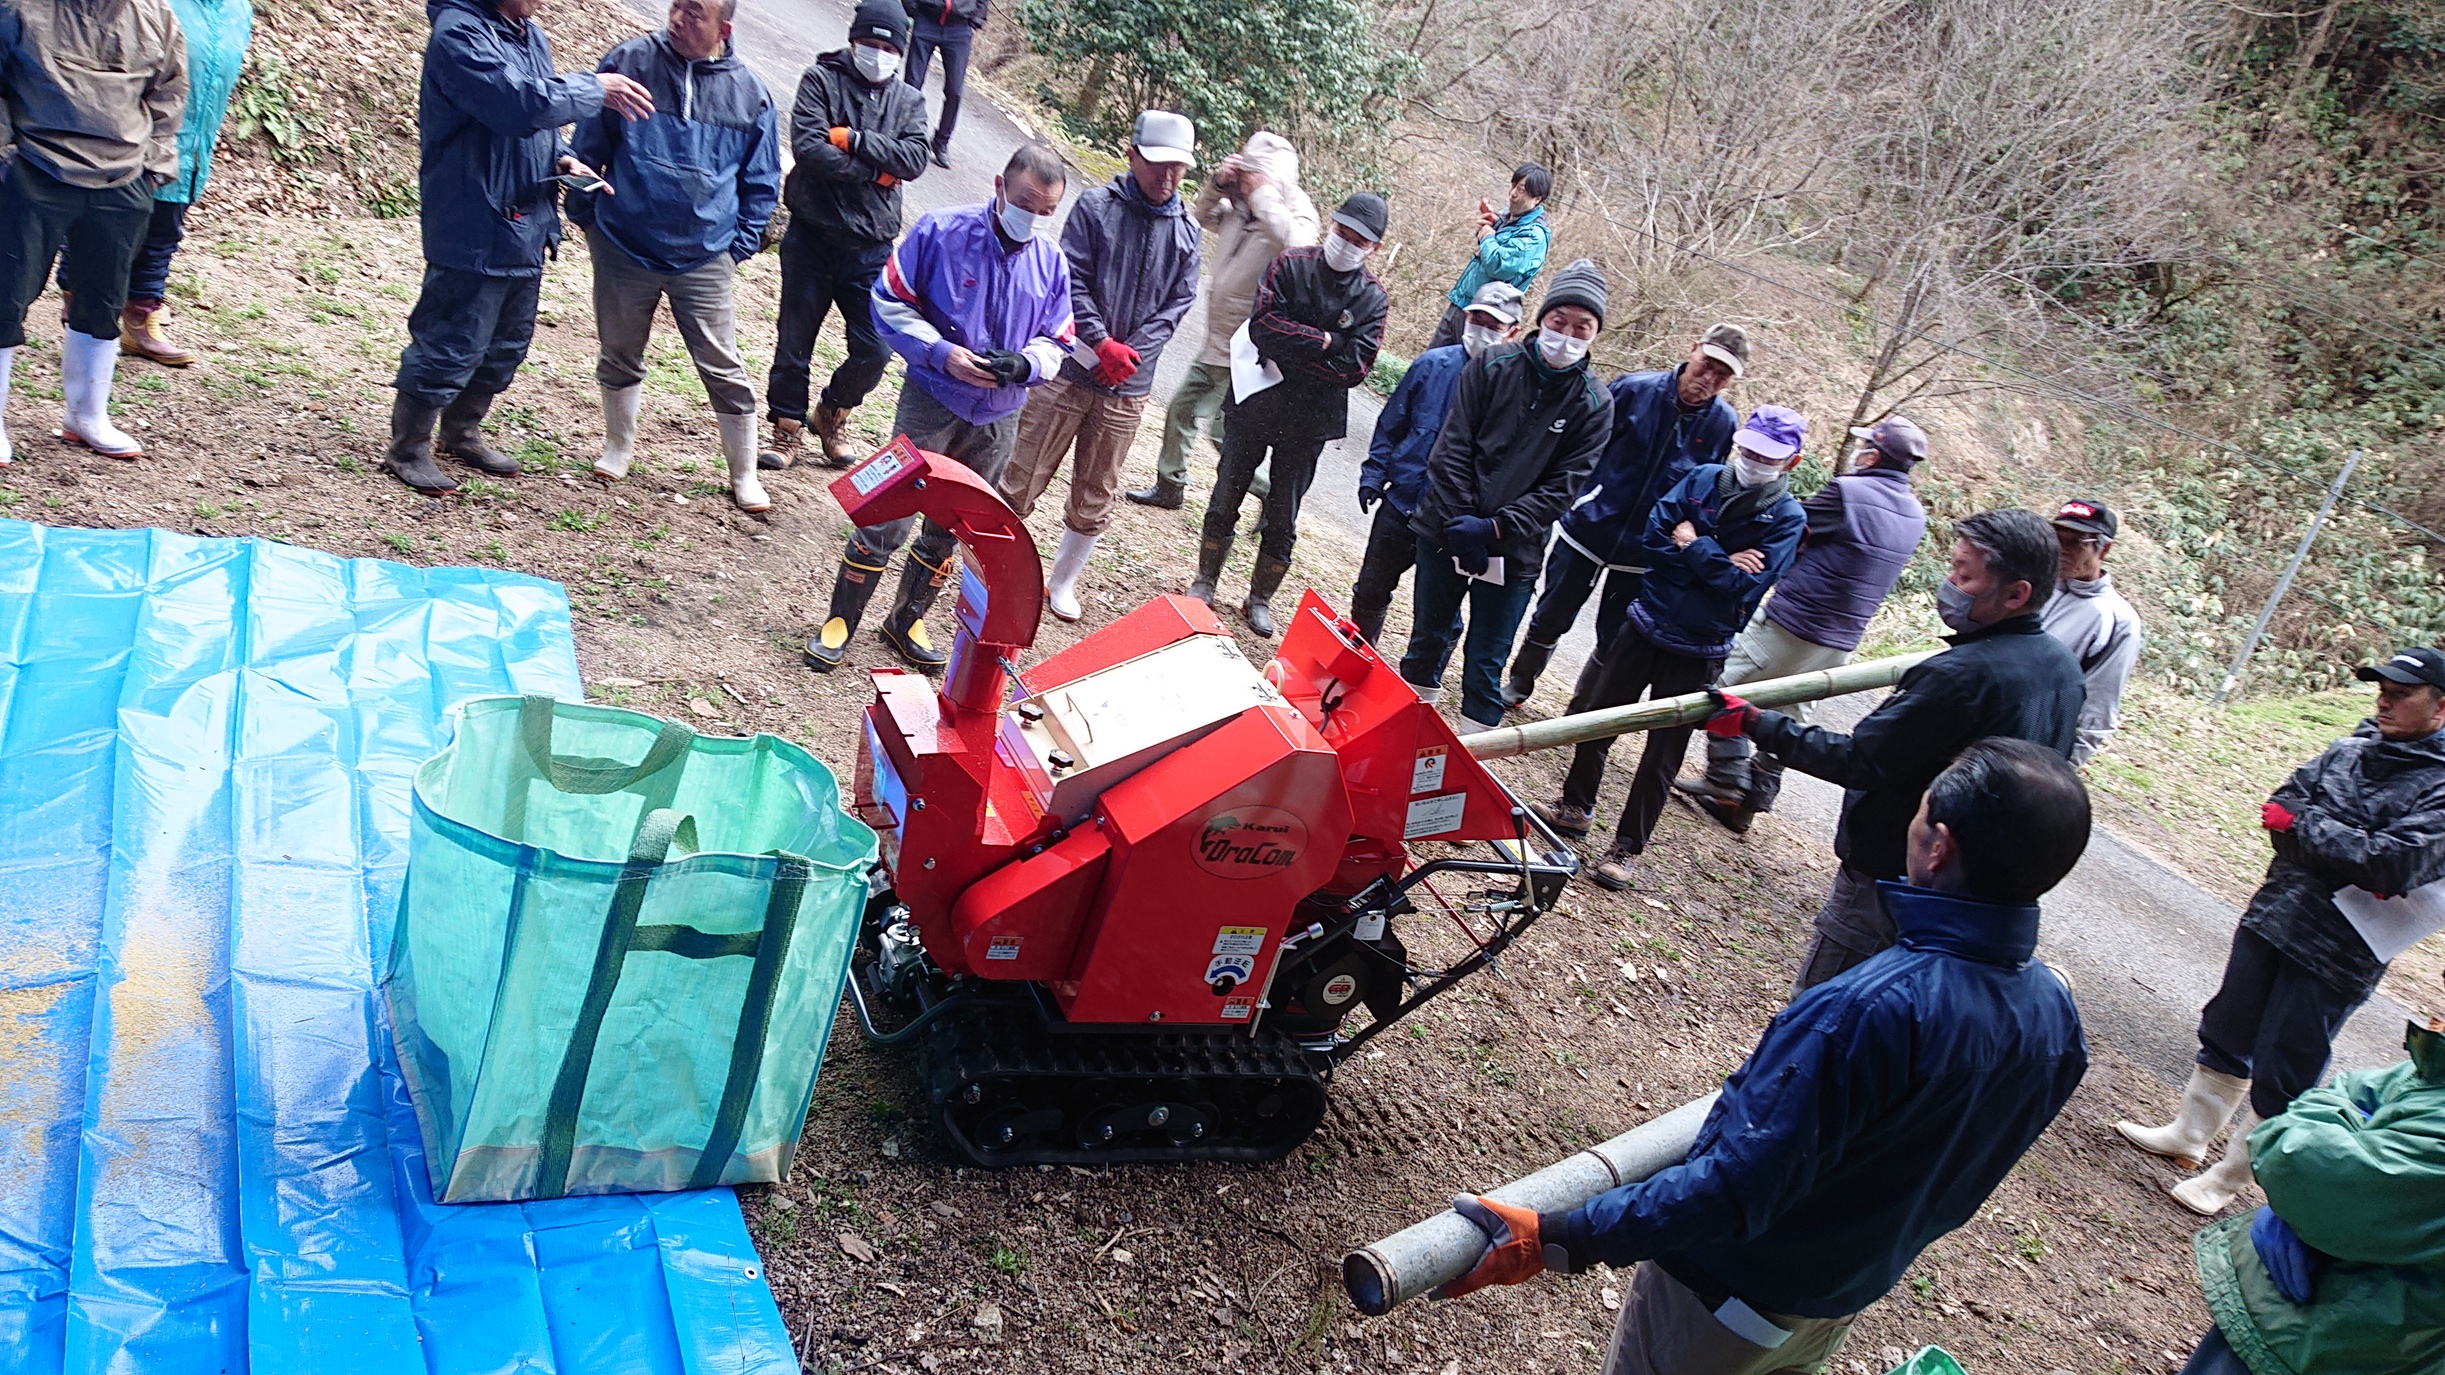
[1130, 896]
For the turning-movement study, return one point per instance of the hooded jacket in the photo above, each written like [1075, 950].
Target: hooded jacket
[2358, 1168]
[1249, 234]
[696, 179]
[2010, 678]
[1654, 445]
[1322, 329]
[1518, 441]
[2368, 813]
[1877, 1113]
[1694, 599]
[1406, 430]
[954, 280]
[854, 195]
[1133, 275]
[217, 32]
[92, 91]
[488, 118]
[1514, 253]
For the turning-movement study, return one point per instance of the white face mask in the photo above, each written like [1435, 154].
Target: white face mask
[1341, 255]
[1750, 472]
[873, 63]
[1560, 350]
[1478, 338]
[1020, 225]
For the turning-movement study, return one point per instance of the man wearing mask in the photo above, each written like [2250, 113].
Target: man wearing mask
[1862, 529]
[1715, 545]
[701, 179]
[1527, 422]
[488, 120]
[948, 27]
[2091, 618]
[1664, 424]
[1392, 478]
[2003, 675]
[2358, 877]
[858, 132]
[1316, 324]
[1511, 247]
[977, 302]
[1133, 274]
[1254, 208]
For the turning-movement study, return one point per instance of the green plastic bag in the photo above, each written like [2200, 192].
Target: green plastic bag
[619, 950]
[1931, 1360]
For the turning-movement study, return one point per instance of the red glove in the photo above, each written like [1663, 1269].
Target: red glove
[1733, 715]
[839, 137]
[2275, 816]
[1513, 1253]
[1119, 362]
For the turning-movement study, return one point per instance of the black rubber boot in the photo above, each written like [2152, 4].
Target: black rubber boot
[1525, 668]
[852, 587]
[1210, 556]
[904, 629]
[1262, 584]
[410, 457]
[462, 435]
[1164, 495]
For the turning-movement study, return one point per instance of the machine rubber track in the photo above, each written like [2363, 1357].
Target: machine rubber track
[1008, 1090]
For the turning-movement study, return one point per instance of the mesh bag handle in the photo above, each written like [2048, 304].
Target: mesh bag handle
[588, 776]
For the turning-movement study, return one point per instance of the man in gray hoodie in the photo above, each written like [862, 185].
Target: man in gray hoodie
[2091, 618]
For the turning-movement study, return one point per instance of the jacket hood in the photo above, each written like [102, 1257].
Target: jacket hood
[2428, 749]
[2002, 933]
[2427, 1049]
[1125, 186]
[433, 10]
[1273, 156]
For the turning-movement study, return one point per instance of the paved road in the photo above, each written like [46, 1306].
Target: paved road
[2143, 946]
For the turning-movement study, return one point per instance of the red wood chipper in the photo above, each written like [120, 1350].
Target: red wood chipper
[1130, 895]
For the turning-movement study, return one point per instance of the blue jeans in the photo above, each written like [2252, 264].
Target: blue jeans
[1494, 616]
[2215, 1356]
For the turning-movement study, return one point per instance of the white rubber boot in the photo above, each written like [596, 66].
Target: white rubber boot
[739, 451]
[8, 364]
[1069, 561]
[619, 431]
[85, 368]
[2208, 1192]
[2208, 1102]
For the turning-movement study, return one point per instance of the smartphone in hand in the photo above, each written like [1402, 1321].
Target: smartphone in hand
[586, 183]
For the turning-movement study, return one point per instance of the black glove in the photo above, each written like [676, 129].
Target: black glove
[1009, 367]
[1367, 497]
[1468, 537]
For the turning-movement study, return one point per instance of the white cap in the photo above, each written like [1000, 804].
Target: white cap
[1162, 136]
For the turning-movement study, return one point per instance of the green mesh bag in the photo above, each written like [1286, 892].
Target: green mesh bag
[619, 950]
[1931, 1360]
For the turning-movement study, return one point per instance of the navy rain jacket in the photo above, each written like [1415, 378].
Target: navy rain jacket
[1694, 600]
[1876, 1114]
[1405, 432]
[1133, 275]
[488, 117]
[1654, 445]
[696, 179]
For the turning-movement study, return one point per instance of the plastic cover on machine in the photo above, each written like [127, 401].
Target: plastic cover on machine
[207, 1161]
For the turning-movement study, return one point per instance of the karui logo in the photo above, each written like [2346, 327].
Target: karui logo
[1249, 842]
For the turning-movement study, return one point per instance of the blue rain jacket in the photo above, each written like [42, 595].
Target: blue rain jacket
[696, 179]
[1694, 600]
[1405, 432]
[488, 118]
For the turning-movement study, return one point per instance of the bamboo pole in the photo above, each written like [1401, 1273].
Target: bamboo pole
[1504, 742]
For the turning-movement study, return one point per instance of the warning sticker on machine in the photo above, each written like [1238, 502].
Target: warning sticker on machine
[1434, 816]
[1238, 1009]
[1239, 940]
[888, 462]
[1426, 775]
[1236, 968]
[1004, 948]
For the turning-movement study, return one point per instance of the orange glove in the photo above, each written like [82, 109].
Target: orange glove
[886, 180]
[1513, 1253]
[839, 137]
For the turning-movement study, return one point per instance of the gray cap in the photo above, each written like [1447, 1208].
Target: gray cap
[1581, 283]
[1162, 136]
[1501, 300]
[1728, 345]
[1366, 214]
[1895, 437]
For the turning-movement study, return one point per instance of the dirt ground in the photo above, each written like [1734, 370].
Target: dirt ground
[883, 1253]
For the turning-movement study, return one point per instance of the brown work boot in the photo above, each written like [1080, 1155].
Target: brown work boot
[1566, 820]
[140, 333]
[1612, 873]
[788, 438]
[831, 426]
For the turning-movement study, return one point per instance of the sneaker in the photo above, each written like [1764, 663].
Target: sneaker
[1565, 819]
[1612, 873]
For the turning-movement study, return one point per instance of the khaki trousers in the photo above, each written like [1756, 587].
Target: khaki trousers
[1101, 424]
[1666, 1330]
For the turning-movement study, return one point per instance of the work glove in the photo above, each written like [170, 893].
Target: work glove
[2275, 816]
[1513, 1254]
[839, 137]
[1733, 715]
[1467, 538]
[886, 180]
[1367, 497]
[1009, 367]
[1117, 362]
[2289, 1260]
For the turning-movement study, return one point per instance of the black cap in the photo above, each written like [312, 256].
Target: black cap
[2088, 517]
[2419, 664]
[884, 19]
[1366, 213]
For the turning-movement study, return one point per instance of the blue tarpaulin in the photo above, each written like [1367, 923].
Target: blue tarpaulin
[207, 1160]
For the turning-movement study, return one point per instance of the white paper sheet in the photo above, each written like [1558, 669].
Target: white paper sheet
[1249, 373]
[2393, 925]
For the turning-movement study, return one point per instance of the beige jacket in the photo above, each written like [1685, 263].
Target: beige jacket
[1249, 236]
[92, 91]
